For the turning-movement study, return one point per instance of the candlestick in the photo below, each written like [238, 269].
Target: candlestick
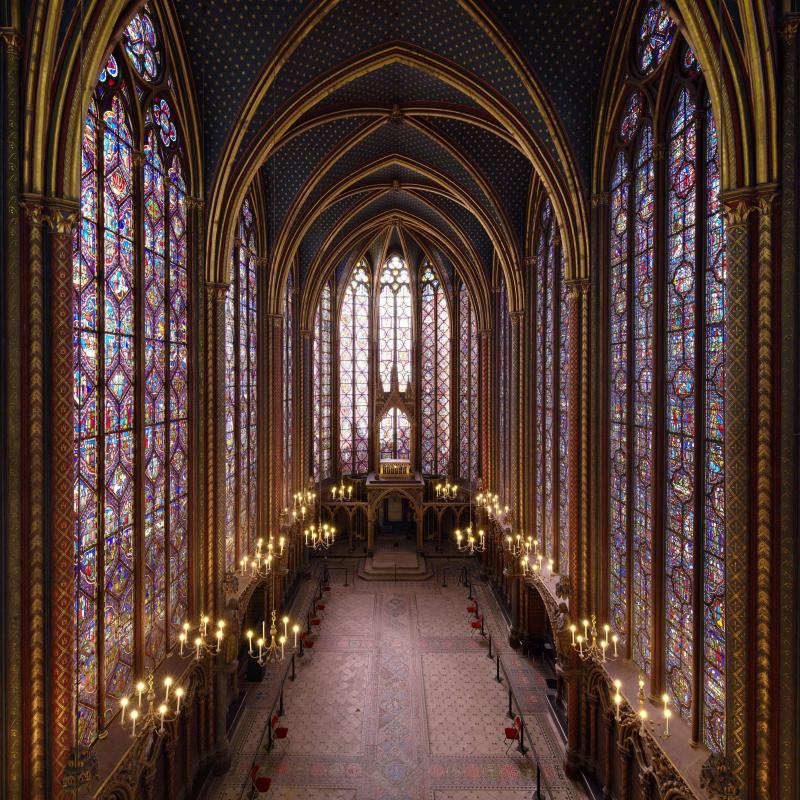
[572, 630]
[134, 715]
[282, 640]
[140, 687]
[249, 641]
[263, 629]
[615, 639]
[198, 643]
[295, 630]
[580, 644]
[167, 684]
[178, 694]
[603, 645]
[617, 701]
[123, 704]
[260, 646]
[162, 709]
[667, 715]
[285, 621]
[181, 639]
[586, 629]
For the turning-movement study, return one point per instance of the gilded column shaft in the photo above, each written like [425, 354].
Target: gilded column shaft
[12, 670]
[61, 220]
[764, 497]
[516, 421]
[789, 756]
[34, 214]
[737, 484]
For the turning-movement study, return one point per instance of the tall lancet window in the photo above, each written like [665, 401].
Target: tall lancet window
[435, 373]
[676, 398]
[504, 400]
[131, 380]
[468, 386]
[394, 329]
[241, 406]
[321, 379]
[354, 373]
[288, 388]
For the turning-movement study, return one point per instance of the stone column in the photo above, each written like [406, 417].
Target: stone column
[61, 218]
[572, 760]
[517, 417]
[487, 417]
[215, 294]
[737, 465]
[12, 716]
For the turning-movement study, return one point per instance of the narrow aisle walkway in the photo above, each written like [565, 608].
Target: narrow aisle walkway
[399, 703]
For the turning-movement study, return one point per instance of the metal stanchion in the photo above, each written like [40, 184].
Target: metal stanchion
[444, 577]
[280, 706]
[489, 654]
[497, 674]
[510, 708]
[521, 747]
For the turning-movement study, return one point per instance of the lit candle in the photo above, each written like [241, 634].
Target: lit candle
[285, 621]
[572, 630]
[283, 642]
[643, 715]
[580, 644]
[585, 627]
[615, 639]
[667, 715]
[123, 704]
[295, 630]
[178, 694]
[249, 641]
[606, 629]
[134, 715]
[197, 643]
[260, 645]
[617, 701]
[167, 684]
[182, 639]
[162, 710]
[665, 701]
[604, 644]
[140, 687]
[263, 629]
[220, 634]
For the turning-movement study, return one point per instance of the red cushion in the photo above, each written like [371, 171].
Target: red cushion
[320, 606]
[316, 621]
[263, 784]
[308, 642]
[511, 733]
[475, 625]
[280, 733]
[254, 771]
[327, 588]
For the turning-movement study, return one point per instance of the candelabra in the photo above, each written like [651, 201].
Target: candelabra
[491, 505]
[446, 490]
[470, 545]
[153, 718]
[261, 564]
[589, 646]
[319, 536]
[273, 652]
[342, 492]
[520, 546]
[202, 642]
[303, 501]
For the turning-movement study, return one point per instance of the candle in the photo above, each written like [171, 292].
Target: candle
[604, 645]
[249, 641]
[606, 629]
[665, 700]
[295, 629]
[643, 715]
[220, 634]
[615, 639]
[667, 715]
[580, 644]
[124, 704]
[585, 626]
[134, 715]
[162, 710]
[263, 629]
[182, 639]
[572, 630]
[260, 645]
[617, 701]
[285, 621]
[167, 684]
[178, 694]
[283, 642]
[197, 643]
[140, 688]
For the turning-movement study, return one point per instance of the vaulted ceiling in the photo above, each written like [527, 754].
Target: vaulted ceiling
[447, 111]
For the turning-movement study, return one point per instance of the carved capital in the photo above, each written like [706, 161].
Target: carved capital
[137, 157]
[194, 203]
[61, 219]
[717, 778]
[217, 291]
[516, 317]
[737, 206]
[529, 262]
[789, 27]
[766, 195]
[261, 261]
[305, 333]
[276, 320]
[12, 41]
[34, 209]
[659, 151]
[600, 199]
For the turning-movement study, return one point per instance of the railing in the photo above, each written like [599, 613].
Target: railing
[395, 469]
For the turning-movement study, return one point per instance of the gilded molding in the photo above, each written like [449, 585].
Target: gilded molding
[600, 199]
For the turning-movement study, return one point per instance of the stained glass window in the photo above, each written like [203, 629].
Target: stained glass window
[688, 383]
[394, 327]
[435, 373]
[141, 45]
[395, 436]
[550, 392]
[354, 373]
[504, 405]
[288, 388]
[655, 36]
[321, 399]
[241, 394]
[468, 385]
[121, 354]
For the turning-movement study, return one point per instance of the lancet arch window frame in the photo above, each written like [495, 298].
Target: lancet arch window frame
[469, 376]
[322, 386]
[665, 311]
[132, 275]
[287, 390]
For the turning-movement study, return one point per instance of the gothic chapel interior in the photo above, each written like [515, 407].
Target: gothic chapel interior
[399, 399]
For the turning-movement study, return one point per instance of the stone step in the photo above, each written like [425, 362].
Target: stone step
[388, 566]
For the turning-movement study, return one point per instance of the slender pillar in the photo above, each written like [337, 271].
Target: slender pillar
[519, 489]
[487, 417]
[33, 426]
[737, 465]
[61, 218]
[789, 742]
[572, 761]
[216, 492]
[12, 605]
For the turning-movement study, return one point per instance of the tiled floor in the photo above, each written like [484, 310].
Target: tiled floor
[400, 703]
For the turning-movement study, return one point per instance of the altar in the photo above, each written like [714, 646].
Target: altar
[396, 480]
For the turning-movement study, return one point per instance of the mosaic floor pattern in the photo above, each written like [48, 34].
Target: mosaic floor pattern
[400, 703]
